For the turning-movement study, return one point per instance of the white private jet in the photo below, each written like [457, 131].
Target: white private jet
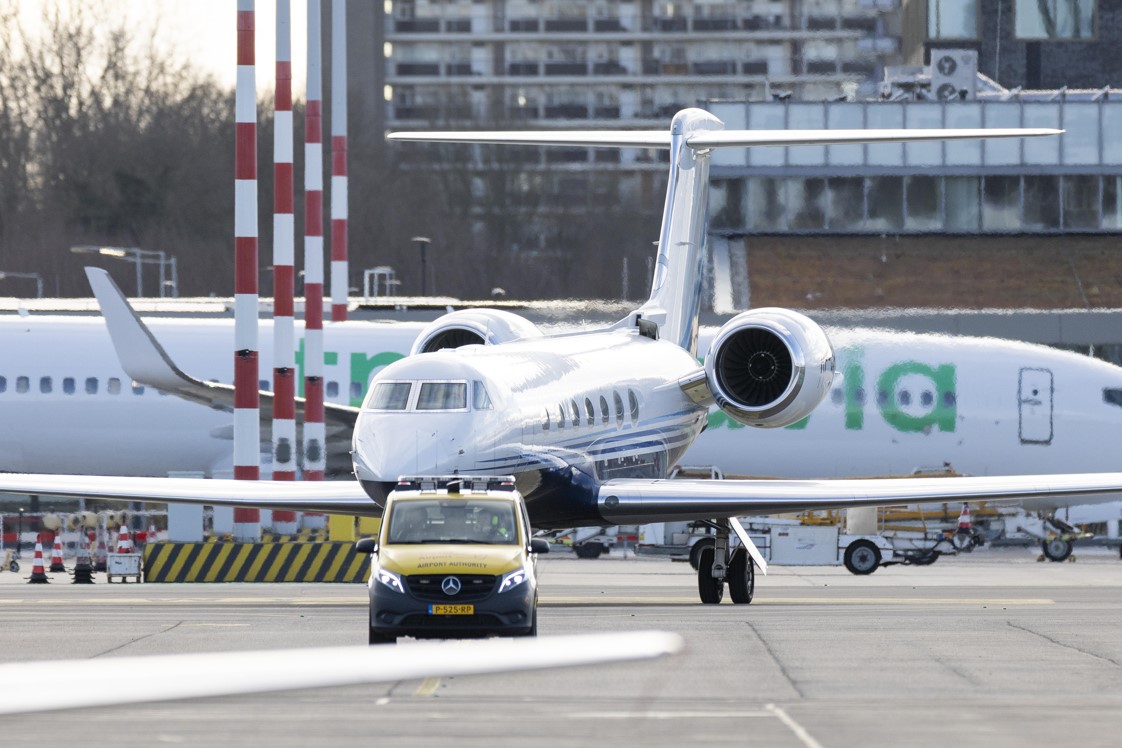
[590, 423]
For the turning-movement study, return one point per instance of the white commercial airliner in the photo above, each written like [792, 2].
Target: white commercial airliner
[905, 402]
[590, 423]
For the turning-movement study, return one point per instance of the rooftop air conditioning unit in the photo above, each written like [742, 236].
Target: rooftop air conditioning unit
[954, 74]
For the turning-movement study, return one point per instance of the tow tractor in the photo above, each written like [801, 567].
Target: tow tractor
[586, 542]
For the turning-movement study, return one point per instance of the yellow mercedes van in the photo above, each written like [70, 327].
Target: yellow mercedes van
[454, 558]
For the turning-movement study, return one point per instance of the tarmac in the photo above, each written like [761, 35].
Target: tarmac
[991, 648]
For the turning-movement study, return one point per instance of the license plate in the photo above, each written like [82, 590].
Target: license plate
[451, 610]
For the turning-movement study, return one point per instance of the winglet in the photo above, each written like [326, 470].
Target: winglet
[141, 355]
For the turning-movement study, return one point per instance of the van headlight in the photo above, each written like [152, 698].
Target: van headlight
[513, 579]
[389, 579]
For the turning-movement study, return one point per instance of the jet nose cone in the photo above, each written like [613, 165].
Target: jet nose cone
[385, 448]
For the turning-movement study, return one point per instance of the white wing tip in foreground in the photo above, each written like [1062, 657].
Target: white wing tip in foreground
[52, 685]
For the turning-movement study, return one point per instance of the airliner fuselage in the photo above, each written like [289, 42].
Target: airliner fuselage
[547, 411]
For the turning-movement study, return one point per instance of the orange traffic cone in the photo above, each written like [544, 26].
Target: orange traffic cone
[964, 524]
[38, 576]
[56, 554]
[124, 541]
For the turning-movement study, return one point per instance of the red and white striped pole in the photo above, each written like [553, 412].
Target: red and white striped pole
[314, 434]
[284, 232]
[339, 285]
[247, 427]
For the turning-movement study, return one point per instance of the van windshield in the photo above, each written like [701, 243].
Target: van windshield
[488, 521]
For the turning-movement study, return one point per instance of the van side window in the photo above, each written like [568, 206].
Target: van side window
[68, 385]
[45, 385]
[22, 384]
[91, 385]
[114, 386]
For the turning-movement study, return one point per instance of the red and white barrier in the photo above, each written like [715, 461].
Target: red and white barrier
[314, 432]
[339, 214]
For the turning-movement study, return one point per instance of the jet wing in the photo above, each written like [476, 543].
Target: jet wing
[633, 501]
[332, 497]
[66, 684]
[146, 361]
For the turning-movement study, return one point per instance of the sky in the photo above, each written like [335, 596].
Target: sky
[205, 32]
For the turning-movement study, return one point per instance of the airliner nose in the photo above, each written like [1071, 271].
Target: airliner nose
[387, 446]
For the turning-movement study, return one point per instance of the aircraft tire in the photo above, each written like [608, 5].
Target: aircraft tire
[709, 589]
[695, 551]
[742, 578]
[862, 557]
[588, 550]
[1057, 549]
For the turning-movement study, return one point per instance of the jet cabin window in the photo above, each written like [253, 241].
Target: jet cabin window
[1111, 396]
[114, 386]
[3, 384]
[480, 400]
[22, 383]
[91, 385]
[390, 396]
[442, 396]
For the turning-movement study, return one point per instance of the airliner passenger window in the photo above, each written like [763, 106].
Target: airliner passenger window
[619, 408]
[390, 396]
[45, 385]
[480, 400]
[926, 399]
[333, 389]
[137, 389]
[91, 385]
[114, 386]
[634, 407]
[949, 399]
[590, 412]
[442, 396]
[3, 384]
[68, 385]
[356, 390]
[603, 410]
[905, 397]
[837, 396]
[263, 384]
[22, 384]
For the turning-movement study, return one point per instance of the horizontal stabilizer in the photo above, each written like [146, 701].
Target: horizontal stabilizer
[706, 139]
[70, 684]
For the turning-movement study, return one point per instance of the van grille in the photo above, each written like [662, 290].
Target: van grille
[472, 587]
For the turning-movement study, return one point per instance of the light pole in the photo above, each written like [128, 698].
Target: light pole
[140, 257]
[423, 243]
[38, 280]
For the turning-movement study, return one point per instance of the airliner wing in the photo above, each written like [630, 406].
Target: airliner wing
[333, 497]
[146, 361]
[69, 684]
[632, 501]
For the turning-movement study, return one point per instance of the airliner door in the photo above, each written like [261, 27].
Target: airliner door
[1035, 398]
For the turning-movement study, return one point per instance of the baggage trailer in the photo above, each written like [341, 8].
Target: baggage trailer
[787, 542]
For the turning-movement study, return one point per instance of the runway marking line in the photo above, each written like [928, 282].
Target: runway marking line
[671, 715]
[800, 732]
[545, 601]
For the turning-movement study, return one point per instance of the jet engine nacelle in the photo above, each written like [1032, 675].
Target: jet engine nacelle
[769, 367]
[473, 327]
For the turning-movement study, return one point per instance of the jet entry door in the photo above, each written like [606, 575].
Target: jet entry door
[1035, 397]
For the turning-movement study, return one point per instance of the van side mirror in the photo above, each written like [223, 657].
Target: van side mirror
[539, 545]
[367, 546]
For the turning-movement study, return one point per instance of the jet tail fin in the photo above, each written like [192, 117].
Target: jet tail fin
[147, 362]
[675, 301]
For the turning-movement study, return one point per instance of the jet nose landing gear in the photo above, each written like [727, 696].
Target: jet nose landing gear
[720, 564]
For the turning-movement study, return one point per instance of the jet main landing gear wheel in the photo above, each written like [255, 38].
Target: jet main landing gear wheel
[742, 577]
[710, 588]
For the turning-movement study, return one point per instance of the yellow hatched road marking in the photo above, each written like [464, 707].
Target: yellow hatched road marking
[428, 687]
